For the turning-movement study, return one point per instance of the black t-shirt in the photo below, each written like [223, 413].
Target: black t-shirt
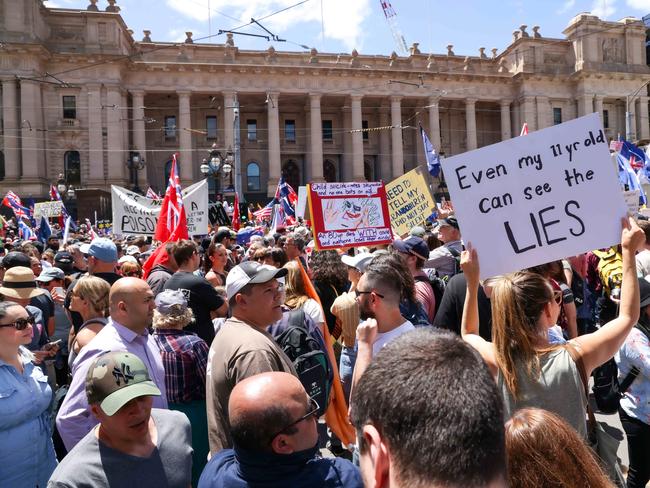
[110, 278]
[450, 311]
[201, 298]
[45, 304]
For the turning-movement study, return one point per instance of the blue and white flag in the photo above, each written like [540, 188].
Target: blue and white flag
[66, 232]
[24, 231]
[637, 157]
[433, 159]
[44, 230]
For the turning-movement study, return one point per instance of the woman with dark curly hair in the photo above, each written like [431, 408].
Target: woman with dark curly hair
[330, 278]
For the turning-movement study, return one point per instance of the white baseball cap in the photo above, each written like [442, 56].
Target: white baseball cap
[250, 272]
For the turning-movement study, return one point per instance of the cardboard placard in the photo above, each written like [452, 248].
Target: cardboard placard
[409, 200]
[349, 214]
[632, 201]
[48, 209]
[138, 215]
[539, 198]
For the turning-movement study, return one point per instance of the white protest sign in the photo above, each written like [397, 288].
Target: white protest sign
[138, 215]
[48, 209]
[632, 200]
[537, 198]
[301, 204]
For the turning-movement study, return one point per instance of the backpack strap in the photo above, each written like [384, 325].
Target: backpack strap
[297, 318]
[577, 359]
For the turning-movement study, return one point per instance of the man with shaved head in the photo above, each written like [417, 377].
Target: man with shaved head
[273, 427]
[131, 305]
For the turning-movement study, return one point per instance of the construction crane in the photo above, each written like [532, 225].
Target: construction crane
[391, 18]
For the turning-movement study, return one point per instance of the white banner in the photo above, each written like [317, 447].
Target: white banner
[537, 198]
[138, 215]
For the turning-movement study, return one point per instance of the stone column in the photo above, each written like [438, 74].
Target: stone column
[505, 120]
[529, 114]
[184, 136]
[273, 121]
[384, 143]
[346, 165]
[139, 134]
[116, 148]
[643, 127]
[229, 98]
[543, 112]
[434, 122]
[95, 138]
[598, 106]
[11, 133]
[470, 123]
[357, 139]
[585, 104]
[396, 136]
[316, 146]
[632, 121]
[32, 136]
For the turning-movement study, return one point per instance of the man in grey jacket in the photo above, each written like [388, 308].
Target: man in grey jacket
[161, 273]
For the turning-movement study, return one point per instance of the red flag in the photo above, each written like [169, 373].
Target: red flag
[236, 223]
[172, 212]
[524, 129]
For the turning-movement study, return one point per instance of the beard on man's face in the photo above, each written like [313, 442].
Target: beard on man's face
[365, 313]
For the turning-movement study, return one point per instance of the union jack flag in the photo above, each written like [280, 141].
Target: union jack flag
[286, 197]
[56, 196]
[175, 204]
[13, 201]
[172, 212]
[152, 194]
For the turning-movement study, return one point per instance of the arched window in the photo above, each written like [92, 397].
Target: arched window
[253, 177]
[329, 171]
[291, 174]
[72, 168]
[368, 171]
[2, 166]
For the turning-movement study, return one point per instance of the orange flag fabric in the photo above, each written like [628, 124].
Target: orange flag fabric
[336, 414]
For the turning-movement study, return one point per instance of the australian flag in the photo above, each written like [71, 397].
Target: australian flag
[24, 231]
[286, 197]
[627, 175]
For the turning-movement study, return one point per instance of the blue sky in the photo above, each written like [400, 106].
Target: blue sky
[341, 25]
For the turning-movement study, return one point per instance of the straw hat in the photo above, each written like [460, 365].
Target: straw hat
[19, 282]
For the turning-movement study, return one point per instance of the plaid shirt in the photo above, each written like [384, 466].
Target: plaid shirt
[185, 357]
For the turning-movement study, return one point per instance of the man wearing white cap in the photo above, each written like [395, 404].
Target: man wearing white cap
[243, 347]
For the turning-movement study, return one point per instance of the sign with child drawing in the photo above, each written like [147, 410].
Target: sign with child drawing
[538, 198]
[349, 214]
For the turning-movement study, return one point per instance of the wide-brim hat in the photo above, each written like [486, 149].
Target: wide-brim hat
[20, 282]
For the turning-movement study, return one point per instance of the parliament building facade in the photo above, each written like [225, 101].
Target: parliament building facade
[82, 95]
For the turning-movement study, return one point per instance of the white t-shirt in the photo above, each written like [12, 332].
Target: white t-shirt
[384, 338]
[313, 309]
[643, 263]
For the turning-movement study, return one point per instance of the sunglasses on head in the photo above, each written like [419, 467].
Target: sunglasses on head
[20, 324]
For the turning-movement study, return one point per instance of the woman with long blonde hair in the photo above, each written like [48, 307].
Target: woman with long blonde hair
[296, 294]
[529, 370]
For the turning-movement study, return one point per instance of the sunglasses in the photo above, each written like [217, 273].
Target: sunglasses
[20, 324]
[311, 412]
[359, 292]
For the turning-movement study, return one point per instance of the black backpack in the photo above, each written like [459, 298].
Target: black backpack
[308, 359]
[606, 389]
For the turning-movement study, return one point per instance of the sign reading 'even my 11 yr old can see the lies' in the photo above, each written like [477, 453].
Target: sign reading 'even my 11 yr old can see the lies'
[537, 198]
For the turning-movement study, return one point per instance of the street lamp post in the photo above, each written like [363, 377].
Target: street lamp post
[135, 163]
[66, 192]
[216, 164]
[628, 115]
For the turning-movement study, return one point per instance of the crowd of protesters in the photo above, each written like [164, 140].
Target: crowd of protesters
[182, 374]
